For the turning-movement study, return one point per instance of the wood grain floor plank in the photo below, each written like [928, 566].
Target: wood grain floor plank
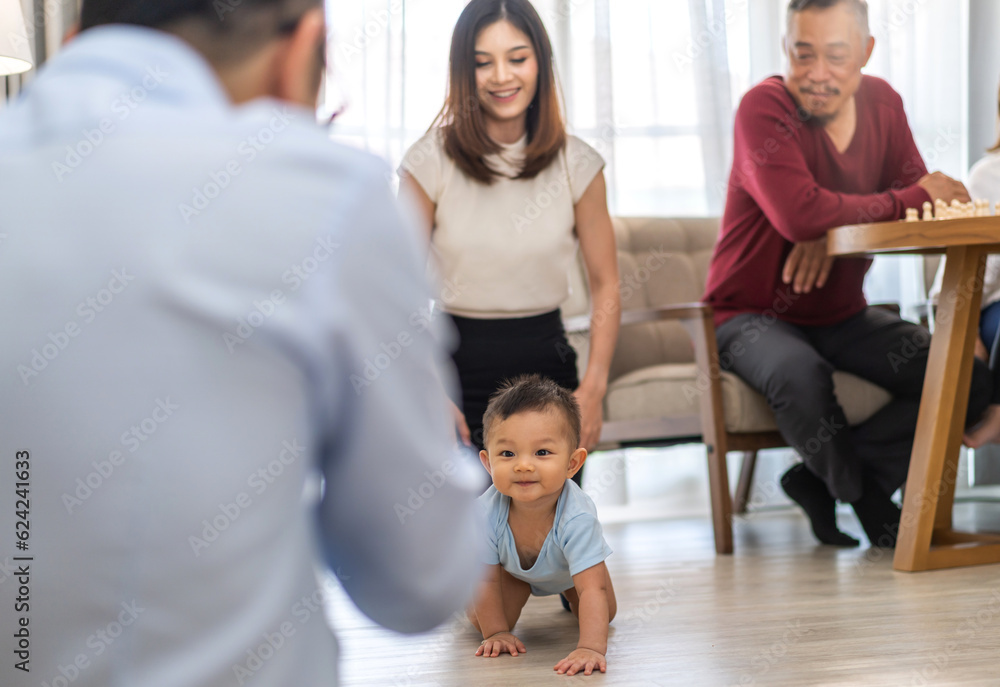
[781, 612]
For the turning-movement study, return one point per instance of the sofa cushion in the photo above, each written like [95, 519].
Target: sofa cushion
[672, 391]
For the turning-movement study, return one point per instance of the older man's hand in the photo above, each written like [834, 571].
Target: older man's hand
[943, 187]
[808, 266]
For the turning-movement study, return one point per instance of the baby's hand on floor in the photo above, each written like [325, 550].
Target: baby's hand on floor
[501, 642]
[585, 660]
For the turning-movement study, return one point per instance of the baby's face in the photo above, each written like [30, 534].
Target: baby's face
[530, 455]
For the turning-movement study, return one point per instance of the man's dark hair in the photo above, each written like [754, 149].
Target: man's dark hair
[860, 8]
[221, 29]
[532, 393]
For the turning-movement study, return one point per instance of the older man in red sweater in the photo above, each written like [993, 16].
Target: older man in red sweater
[822, 147]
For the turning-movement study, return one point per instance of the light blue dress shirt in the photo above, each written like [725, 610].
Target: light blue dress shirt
[204, 307]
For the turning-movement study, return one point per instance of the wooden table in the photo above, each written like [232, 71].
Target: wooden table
[927, 540]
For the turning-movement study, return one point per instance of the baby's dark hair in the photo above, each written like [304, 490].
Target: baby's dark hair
[531, 393]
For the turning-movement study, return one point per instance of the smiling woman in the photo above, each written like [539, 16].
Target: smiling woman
[502, 85]
[507, 196]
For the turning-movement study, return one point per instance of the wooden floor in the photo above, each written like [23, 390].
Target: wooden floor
[781, 611]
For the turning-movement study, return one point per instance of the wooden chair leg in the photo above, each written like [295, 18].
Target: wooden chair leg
[745, 484]
[713, 431]
[722, 502]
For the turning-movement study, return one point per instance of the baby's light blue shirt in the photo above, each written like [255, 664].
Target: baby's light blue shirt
[575, 542]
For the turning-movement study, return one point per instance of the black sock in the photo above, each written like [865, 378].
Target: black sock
[878, 515]
[809, 491]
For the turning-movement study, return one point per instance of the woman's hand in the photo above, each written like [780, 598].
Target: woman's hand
[591, 415]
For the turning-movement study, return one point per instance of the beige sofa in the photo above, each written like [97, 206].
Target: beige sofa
[665, 384]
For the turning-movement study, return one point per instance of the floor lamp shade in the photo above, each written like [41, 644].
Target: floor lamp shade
[15, 47]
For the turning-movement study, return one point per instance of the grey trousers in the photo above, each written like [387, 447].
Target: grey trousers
[792, 367]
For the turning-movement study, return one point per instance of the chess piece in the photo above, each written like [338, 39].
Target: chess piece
[912, 215]
[928, 211]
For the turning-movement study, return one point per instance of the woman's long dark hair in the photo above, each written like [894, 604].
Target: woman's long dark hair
[462, 119]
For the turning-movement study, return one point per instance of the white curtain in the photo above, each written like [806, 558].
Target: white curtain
[922, 49]
[46, 22]
[649, 83]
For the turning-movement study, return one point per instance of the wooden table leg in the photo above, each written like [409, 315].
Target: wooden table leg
[969, 290]
[925, 537]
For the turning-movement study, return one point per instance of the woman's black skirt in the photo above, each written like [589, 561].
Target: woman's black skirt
[492, 351]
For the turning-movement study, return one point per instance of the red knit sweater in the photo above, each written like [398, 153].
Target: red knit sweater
[789, 184]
